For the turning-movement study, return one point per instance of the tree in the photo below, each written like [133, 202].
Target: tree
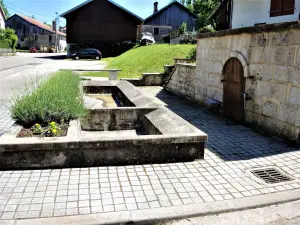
[5, 10]
[202, 8]
[8, 38]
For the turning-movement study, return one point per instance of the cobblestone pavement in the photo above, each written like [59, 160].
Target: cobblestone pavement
[5, 119]
[230, 151]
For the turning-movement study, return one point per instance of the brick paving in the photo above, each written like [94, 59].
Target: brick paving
[230, 151]
[5, 118]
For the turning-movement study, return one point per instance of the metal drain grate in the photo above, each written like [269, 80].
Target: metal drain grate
[271, 175]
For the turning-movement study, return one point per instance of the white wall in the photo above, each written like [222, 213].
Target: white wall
[62, 45]
[2, 21]
[249, 12]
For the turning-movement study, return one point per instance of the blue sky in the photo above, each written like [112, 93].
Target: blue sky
[44, 10]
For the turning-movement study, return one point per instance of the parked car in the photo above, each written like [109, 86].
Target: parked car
[33, 50]
[88, 53]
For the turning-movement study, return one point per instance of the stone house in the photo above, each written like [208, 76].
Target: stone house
[251, 73]
[2, 18]
[167, 19]
[33, 33]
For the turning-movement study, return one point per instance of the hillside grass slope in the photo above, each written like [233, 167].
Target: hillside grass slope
[146, 59]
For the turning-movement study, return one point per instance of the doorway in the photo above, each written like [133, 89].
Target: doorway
[233, 89]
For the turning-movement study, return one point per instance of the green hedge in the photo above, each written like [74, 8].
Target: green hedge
[57, 99]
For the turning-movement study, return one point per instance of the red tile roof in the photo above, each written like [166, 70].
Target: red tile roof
[40, 24]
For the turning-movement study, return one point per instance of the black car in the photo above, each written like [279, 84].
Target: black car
[88, 53]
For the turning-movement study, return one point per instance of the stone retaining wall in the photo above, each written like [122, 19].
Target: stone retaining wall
[183, 80]
[148, 79]
[271, 62]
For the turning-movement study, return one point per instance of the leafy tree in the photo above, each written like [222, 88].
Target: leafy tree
[8, 38]
[202, 8]
[4, 8]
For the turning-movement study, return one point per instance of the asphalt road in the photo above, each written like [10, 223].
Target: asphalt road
[18, 73]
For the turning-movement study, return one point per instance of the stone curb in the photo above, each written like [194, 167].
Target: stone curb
[166, 213]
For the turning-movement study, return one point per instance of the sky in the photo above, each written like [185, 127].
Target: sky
[44, 10]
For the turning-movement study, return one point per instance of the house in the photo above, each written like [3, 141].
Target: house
[33, 33]
[101, 24]
[242, 13]
[252, 71]
[167, 19]
[2, 18]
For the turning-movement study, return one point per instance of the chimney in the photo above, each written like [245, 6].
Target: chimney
[54, 25]
[155, 7]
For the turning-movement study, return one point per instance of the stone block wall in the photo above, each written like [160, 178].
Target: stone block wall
[182, 81]
[148, 79]
[271, 60]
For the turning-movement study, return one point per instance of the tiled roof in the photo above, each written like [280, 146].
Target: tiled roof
[40, 24]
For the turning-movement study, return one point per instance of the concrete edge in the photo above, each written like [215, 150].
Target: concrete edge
[168, 213]
[10, 137]
[186, 65]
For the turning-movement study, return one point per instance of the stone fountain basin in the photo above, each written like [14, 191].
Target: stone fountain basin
[140, 132]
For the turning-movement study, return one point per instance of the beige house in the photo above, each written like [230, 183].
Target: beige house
[33, 33]
[2, 18]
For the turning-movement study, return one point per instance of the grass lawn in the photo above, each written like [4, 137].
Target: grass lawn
[145, 59]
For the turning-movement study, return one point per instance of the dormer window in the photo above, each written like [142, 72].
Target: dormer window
[282, 7]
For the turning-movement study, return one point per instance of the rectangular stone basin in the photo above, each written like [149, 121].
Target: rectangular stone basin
[144, 133]
[124, 93]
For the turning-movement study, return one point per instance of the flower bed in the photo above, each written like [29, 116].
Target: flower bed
[47, 110]
[47, 130]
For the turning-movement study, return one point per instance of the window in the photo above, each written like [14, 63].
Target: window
[50, 37]
[282, 7]
[85, 52]
[36, 37]
[156, 31]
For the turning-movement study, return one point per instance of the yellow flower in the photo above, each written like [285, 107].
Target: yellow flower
[54, 131]
[52, 123]
[37, 125]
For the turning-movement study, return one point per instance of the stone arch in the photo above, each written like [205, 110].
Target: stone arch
[241, 58]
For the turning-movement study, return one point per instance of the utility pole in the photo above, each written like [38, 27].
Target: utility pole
[56, 38]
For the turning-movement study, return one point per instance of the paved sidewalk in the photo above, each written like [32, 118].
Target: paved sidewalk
[230, 151]
[5, 119]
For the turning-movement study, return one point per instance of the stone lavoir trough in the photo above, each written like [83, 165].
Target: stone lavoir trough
[136, 131]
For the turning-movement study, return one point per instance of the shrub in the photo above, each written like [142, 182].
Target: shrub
[188, 38]
[8, 38]
[192, 54]
[183, 28]
[57, 99]
[206, 29]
